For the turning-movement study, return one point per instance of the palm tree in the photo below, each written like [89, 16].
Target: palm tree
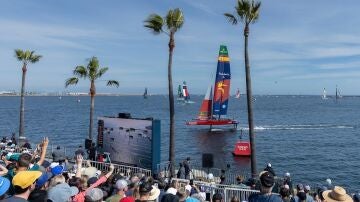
[168, 25]
[92, 72]
[25, 57]
[247, 12]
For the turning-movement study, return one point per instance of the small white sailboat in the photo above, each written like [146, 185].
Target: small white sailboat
[324, 95]
[237, 95]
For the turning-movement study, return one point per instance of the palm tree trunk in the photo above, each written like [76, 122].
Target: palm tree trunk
[92, 100]
[172, 111]
[249, 105]
[22, 100]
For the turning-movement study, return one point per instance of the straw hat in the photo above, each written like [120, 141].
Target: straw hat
[337, 194]
[154, 193]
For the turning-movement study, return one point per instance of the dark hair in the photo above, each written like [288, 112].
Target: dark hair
[19, 190]
[235, 199]
[24, 160]
[38, 196]
[284, 192]
[191, 182]
[217, 197]
[145, 188]
[302, 196]
[75, 181]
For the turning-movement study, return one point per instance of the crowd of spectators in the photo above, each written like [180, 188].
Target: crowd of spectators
[27, 176]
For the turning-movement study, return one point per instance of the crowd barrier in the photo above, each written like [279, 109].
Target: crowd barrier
[227, 191]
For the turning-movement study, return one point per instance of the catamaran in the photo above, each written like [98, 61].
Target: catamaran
[145, 94]
[215, 104]
[237, 95]
[183, 93]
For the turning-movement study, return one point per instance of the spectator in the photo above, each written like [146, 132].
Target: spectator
[24, 184]
[217, 198]
[267, 182]
[234, 199]
[336, 194]
[270, 169]
[128, 199]
[94, 195]
[222, 177]
[356, 197]
[58, 155]
[170, 198]
[285, 193]
[79, 151]
[187, 168]
[287, 180]
[148, 192]
[121, 187]
[181, 172]
[92, 152]
[62, 192]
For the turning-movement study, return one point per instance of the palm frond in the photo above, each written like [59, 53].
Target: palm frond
[27, 55]
[113, 83]
[231, 18]
[154, 23]
[71, 81]
[35, 58]
[19, 54]
[255, 11]
[80, 71]
[101, 72]
[174, 19]
[93, 67]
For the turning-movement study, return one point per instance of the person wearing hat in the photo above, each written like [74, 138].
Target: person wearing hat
[270, 169]
[23, 163]
[121, 186]
[24, 184]
[94, 195]
[302, 194]
[147, 192]
[80, 197]
[4, 186]
[267, 182]
[62, 192]
[336, 194]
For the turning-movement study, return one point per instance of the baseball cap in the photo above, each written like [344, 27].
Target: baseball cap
[121, 184]
[62, 192]
[57, 170]
[267, 179]
[94, 194]
[307, 188]
[92, 180]
[45, 176]
[24, 179]
[4, 185]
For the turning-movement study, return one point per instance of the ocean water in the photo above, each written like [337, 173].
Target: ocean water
[311, 138]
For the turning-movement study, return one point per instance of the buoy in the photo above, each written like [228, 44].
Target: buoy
[242, 148]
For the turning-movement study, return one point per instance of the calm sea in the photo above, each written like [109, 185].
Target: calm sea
[311, 138]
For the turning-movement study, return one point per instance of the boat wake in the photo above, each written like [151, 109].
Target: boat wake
[299, 127]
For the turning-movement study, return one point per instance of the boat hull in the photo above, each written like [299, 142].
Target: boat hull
[213, 122]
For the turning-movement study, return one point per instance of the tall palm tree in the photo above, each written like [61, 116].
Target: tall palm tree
[247, 12]
[91, 72]
[25, 57]
[168, 25]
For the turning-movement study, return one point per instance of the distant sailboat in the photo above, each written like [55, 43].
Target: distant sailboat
[78, 100]
[237, 94]
[145, 93]
[183, 93]
[337, 93]
[324, 95]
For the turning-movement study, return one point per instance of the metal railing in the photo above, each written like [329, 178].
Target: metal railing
[120, 169]
[227, 191]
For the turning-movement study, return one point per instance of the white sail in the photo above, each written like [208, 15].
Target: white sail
[324, 95]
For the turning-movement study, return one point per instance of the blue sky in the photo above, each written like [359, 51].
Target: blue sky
[296, 47]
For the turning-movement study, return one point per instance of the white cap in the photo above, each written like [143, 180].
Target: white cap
[286, 186]
[172, 191]
[287, 174]
[328, 181]
[269, 165]
[210, 176]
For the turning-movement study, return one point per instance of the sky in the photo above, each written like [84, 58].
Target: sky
[296, 47]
